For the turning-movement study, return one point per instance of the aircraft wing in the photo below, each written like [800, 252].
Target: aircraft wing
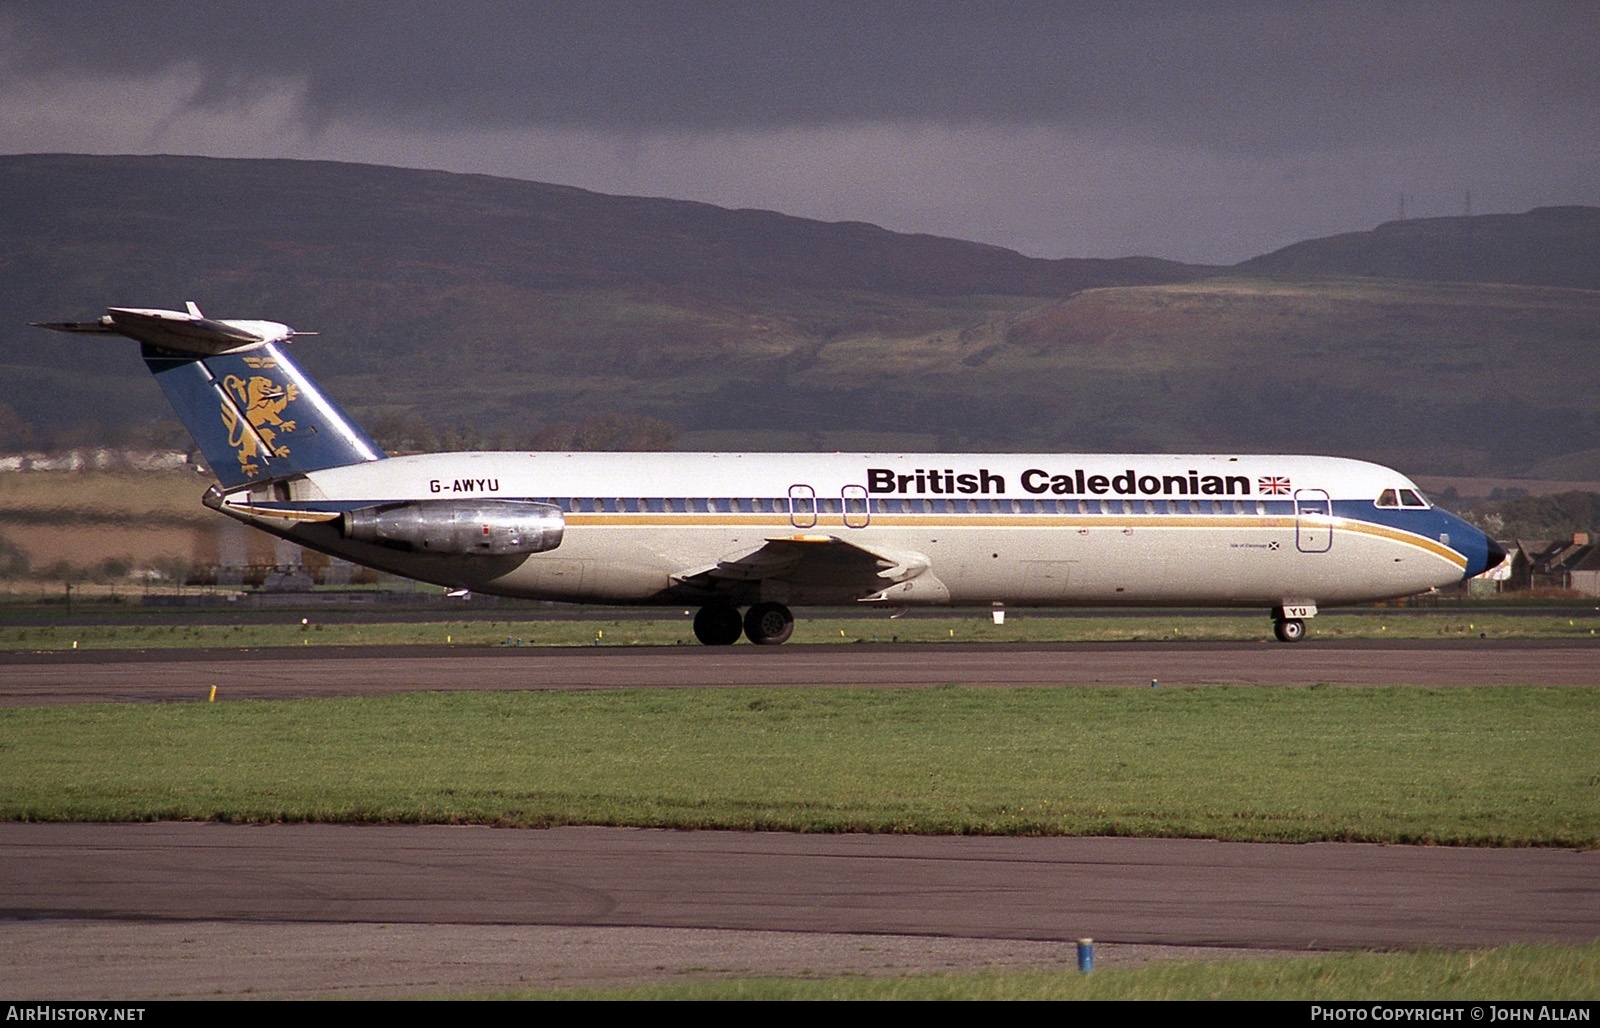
[830, 563]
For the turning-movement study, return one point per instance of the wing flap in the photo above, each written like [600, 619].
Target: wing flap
[815, 561]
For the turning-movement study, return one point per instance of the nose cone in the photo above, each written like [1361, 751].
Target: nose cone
[1482, 553]
[1494, 555]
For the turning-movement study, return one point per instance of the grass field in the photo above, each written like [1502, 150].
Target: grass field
[1507, 973]
[66, 496]
[1470, 766]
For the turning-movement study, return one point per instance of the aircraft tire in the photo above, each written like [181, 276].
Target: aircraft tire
[1289, 630]
[768, 624]
[717, 624]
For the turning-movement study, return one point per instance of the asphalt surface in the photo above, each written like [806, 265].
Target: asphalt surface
[150, 911]
[710, 902]
[85, 676]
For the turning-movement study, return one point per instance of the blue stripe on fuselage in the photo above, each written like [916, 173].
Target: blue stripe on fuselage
[1432, 523]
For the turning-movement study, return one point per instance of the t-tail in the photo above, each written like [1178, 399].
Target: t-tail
[255, 414]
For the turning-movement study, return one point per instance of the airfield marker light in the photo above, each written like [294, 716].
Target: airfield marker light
[213, 697]
[1086, 955]
[1154, 684]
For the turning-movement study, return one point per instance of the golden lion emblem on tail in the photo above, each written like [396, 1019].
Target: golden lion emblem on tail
[262, 402]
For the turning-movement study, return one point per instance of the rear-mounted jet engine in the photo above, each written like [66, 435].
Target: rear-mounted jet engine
[481, 527]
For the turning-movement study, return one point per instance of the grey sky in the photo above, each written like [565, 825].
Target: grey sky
[1198, 131]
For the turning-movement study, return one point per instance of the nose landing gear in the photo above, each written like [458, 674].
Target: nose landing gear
[1289, 620]
[1289, 630]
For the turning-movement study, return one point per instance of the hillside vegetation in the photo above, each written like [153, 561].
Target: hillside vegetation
[472, 308]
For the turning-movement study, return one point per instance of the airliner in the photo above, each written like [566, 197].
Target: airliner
[746, 537]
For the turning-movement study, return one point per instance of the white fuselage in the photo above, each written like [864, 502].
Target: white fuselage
[962, 529]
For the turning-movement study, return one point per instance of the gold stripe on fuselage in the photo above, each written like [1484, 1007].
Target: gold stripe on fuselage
[1215, 522]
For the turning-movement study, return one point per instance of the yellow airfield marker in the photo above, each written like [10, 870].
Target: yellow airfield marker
[213, 697]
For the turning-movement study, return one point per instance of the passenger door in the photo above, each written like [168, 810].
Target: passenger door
[1313, 521]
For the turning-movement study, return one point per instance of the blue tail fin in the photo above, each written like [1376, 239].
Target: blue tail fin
[256, 416]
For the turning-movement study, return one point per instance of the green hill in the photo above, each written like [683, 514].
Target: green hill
[1548, 246]
[456, 300]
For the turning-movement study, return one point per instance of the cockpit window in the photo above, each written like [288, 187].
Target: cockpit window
[1408, 499]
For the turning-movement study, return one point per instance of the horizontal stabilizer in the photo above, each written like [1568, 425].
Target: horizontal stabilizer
[180, 331]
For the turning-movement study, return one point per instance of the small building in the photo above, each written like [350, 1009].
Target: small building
[1543, 564]
[1585, 573]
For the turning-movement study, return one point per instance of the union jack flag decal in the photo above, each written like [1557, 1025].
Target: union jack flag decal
[1272, 485]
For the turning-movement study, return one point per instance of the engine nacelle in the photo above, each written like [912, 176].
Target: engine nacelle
[464, 527]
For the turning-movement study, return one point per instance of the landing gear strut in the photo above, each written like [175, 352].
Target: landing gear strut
[765, 624]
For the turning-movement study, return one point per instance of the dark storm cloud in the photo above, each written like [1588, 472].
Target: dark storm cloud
[1193, 130]
[1233, 75]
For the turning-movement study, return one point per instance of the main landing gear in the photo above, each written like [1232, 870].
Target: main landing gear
[765, 624]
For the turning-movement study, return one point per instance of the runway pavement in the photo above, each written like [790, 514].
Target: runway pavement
[117, 676]
[457, 892]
